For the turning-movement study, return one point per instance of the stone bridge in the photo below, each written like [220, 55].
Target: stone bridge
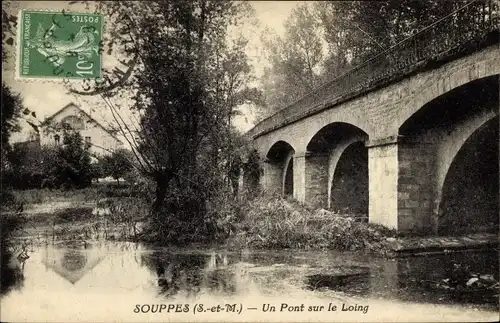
[408, 138]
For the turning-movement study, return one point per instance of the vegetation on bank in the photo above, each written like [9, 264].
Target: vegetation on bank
[91, 194]
[262, 222]
[69, 165]
[276, 222]
[10, 224]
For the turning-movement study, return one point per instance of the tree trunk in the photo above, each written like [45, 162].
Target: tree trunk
[162, 185]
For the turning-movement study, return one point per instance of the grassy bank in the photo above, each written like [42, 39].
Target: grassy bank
[109, 210]
[116, 218]
[90, 194]
[280, 223]
[266, 222]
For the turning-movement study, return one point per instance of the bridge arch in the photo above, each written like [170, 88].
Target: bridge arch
[407, 157]
[437, 140]
[468, 195]
[337, 168]
[279, 168]
[330, 126]
[452, 79]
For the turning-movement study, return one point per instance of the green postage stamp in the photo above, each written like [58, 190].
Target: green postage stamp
[59, 45]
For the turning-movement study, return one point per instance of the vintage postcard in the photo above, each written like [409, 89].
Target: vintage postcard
[250, 161]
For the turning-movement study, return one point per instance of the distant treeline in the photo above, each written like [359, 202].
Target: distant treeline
[65, 166]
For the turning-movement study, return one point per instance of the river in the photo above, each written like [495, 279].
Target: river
[130, 282]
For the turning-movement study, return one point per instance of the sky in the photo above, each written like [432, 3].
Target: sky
[46, 98]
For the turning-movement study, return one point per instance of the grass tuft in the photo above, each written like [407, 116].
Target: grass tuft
[275, 222]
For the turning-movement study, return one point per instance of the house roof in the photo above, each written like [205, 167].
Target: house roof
[71, 104]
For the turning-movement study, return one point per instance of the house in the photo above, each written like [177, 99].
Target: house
[101, 140]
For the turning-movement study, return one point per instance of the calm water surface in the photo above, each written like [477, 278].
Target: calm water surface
[130, 282]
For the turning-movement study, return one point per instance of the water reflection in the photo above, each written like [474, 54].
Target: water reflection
[12, 270]
[191, 273]
[128, 273]
[72, 262]
[434, 278]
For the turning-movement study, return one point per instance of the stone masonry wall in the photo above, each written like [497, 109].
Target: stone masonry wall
[381, 112]
[299, 177]
[383, 184]
[415, 186]
[317, 180]
[404, 203]
[272, 179]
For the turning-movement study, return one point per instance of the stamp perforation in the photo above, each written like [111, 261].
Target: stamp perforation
[50, 79]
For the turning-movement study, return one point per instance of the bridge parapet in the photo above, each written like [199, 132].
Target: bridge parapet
[446, 39]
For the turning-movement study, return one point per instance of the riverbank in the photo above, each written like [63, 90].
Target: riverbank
[262, 223]
[100, 190]
[272, 226]
[110, 212]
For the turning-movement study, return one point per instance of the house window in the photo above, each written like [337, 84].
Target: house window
[56, 139]
[87, 142]
[73, 123]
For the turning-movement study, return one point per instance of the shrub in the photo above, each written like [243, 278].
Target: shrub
[252, 171]
[32, 166]
[73, 167]
[118, 164]
[97, 170]
[35, 166]
[274, 222]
